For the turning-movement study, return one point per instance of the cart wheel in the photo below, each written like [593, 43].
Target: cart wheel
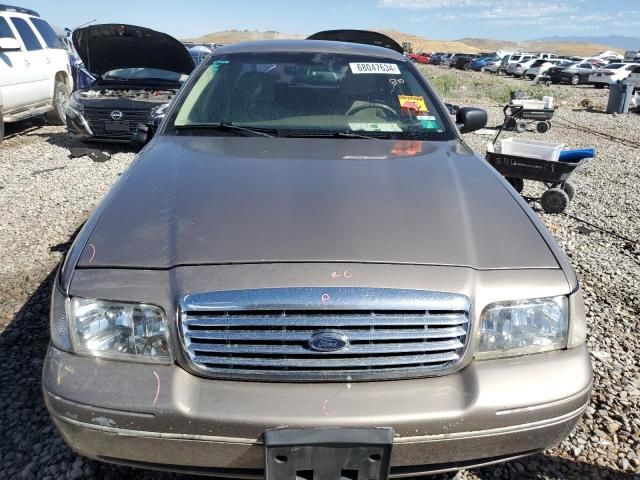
[521, 126]
[554, 200]
[516, 183]
[570, 190]
[542, 127]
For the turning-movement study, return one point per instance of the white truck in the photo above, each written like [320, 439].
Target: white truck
[35, 74]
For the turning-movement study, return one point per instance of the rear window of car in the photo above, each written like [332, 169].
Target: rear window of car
[5, 29]
[47, 33]
[29, 38]
[314, 93]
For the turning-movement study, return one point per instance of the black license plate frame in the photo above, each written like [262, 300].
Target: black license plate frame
[328, 453]
[116, 125]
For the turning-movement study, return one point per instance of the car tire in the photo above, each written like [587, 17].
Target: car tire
[575, 80]
[554, 200]
[413, 60]
[569, 189]
[598, 85]
[58, 115]
[516, 183]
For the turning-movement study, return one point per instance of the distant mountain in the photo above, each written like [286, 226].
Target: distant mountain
[616, 41]
[420, 44]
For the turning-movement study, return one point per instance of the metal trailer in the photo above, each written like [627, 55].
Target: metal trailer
[518, 117]
[554, 174]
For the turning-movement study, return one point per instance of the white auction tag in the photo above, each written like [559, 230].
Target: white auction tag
[385, 68]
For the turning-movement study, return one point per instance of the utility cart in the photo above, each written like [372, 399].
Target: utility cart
[519, 113]
[520, 160]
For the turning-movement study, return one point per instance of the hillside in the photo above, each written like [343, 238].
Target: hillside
[616, 41]
[236, 36]
[467, 45]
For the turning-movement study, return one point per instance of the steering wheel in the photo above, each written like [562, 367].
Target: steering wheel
[382, 106]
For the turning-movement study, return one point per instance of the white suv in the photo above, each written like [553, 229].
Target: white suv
[35, 75]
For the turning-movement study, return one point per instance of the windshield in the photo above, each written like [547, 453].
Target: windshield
[313, 93]
[135, 74]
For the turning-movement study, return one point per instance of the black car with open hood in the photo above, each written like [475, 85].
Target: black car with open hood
[137, 70]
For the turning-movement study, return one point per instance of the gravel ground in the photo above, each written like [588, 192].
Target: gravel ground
[45, 196]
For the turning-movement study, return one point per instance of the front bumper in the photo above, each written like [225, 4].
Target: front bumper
[163, 417]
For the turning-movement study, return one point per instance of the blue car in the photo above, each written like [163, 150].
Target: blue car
[479, 63]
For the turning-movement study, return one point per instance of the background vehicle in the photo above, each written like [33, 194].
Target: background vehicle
[478, 64]
[631, 56]
[419, 57]
[634, 78]
[462, 61]
[436, 58]
[493, 66]
[506, 60]
[446, 59]
[575, 74]
[519, 60]
[539, 67]
[521, 67]
[132, 78]
[612, 73]
[35, 75]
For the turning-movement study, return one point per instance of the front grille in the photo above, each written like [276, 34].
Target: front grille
[280, 334]
[97, 118]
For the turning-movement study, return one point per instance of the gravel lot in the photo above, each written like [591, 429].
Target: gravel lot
[45, 196]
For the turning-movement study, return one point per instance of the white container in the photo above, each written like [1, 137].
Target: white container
[548, 102]
[529, 104]
[531, 149]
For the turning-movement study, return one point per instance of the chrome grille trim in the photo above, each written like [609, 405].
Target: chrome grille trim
[265, 334]
[96, 117]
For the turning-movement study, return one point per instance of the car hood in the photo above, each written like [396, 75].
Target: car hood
[109, 46]
[224, 200]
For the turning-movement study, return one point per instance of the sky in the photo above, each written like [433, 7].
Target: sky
[437, 19]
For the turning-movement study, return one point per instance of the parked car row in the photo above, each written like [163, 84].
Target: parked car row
[546, 67]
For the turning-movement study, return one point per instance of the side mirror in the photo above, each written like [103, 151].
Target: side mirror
[142, 136]
[470, 119]
[9, 45]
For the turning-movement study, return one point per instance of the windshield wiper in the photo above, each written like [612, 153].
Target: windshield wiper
[229, 127]
[336, 135]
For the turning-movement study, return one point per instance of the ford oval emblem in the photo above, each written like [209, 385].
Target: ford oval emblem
[328, 342]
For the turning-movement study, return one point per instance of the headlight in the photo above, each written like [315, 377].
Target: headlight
[74, 108]
[525, 326]
[125, 331]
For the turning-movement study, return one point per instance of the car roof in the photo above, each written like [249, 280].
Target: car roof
[310, 46]
[18, 11]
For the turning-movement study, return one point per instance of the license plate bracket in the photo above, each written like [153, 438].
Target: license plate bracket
[328, 454]
[116, 125]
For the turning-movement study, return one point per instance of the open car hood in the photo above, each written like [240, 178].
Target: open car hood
[110, 46]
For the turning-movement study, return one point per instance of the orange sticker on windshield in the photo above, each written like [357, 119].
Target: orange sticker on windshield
[413, 103]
